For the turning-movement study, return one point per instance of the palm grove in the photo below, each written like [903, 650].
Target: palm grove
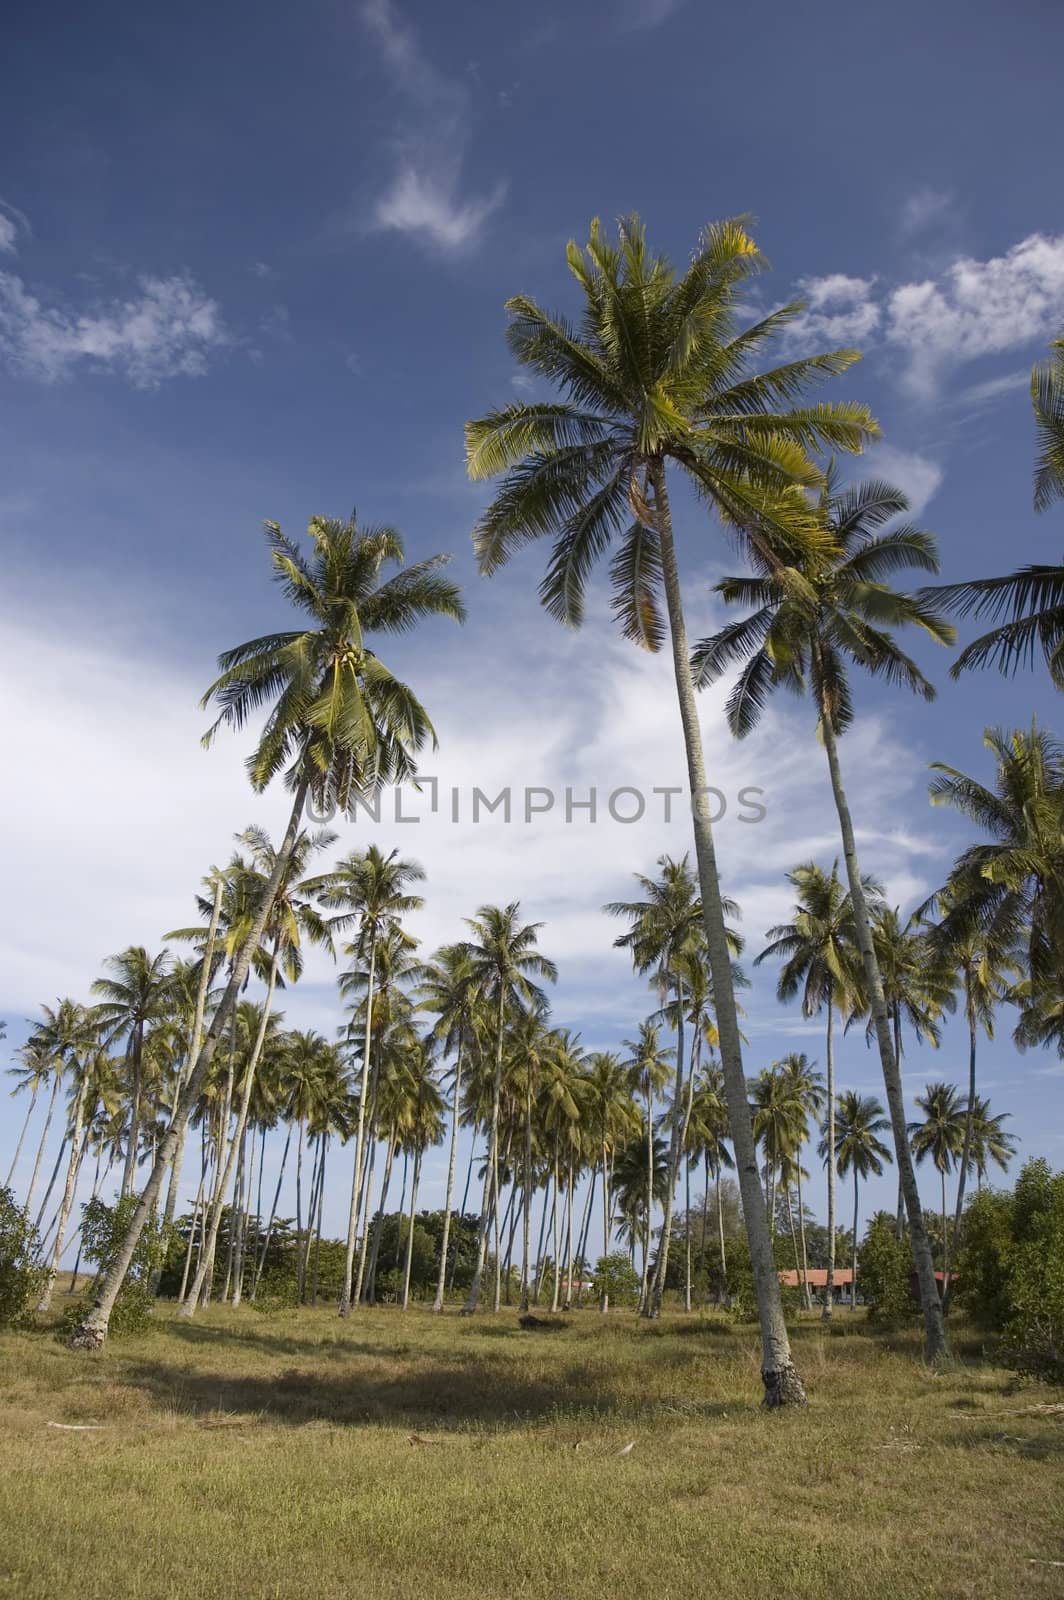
[169, 1062]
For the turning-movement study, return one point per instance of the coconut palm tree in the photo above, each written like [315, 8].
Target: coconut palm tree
[612, 1114]
[813, 618]
[779, 1121]
[707, 1133]
[821, 961]
[808, 1088]
[425, 1128]
[340, 726]
[504, 959]
[449, 993]
[32, 1070]
[940, 1136]
[860, 1119]
[75, 1037]
[1031, 600]
[133, 999]
[990, 1142]
[660, 376]
[647, 1067]
[367, 892]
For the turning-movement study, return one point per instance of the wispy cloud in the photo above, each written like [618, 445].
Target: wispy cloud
[972, 309]
[166, 330]
[8, 236]
[993, 388]
[924, 209]
[647, 13]
[918, 477]
[425, 197]
[12, 223]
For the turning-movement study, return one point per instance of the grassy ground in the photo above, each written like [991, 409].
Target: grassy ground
[242, 1455]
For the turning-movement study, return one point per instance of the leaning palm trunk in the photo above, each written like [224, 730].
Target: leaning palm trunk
[73, 1168]
[129, 1171]
[544, 1219]
[676, 1137]
[585, 1228]
[22, 1135]
[778, 1372]
[829, 1294]
[51, 1186]
[604, 1297]
[194, 1047]
[40, 1147]
[273, 1214]
[437, 1304]
[934, 1326]
[969, 1128]
[360, 1143]
[378, 1227]
[91, 1332]
[491, 1169]
[806, 1291]
[235, 1145]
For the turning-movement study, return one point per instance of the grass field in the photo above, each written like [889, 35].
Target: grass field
[403, 1455]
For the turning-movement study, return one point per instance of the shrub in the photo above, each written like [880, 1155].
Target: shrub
[103, 1228]
[21, 1276]
[616, 1275]
[885, 1268]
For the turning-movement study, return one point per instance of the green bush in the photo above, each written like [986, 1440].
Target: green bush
[1010, 1273]
[616, 1275]
[21, 1275]
[103, 1228]
[884, 1274]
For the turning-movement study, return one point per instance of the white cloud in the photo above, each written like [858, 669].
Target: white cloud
[647, 13]
[994, 388]
[977, 308]
[166, 330]
[8, 236]
[917, 476]
[841, 312]
[924, 208]
[425, 197]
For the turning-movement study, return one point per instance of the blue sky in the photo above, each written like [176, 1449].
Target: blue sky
[252, 264]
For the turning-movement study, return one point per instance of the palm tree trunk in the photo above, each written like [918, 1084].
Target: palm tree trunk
[548, 1204]
[196, 1208]
[44, 1140]
[687, 1239]
[235, 1145]
[720, 1235]
[51, 1184]
[92, 1196]
[136, 1050]
[644, 1288]
[604, 1298]
[829, 1293]
[317, 1222]
[273, 1213]
[778, 1373]
[245, 1184]
[899, 1230]
[22, 1135]
[853, 1280]
[806, 1292]
[73, 1167]
[300, 1140]
[581, 1243]
[676, 1134]
[414, 1180]
[526, 1221]
[490, 1171]
[91, 1332]
[945, 1235]
[969, 1128]
[378, 1226]
[934, 1326]
[437, 1304]
[360, 1140]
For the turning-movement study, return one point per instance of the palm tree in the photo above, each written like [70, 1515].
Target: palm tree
[1031, 600]
[448, 991]
[807, 1087]
[74, 1038]
[647, 1067]
[859, 1119]
[503, 959]
[813, 617]
[707, 1131]
[33, 1069]
[990, 1142]
[368, 890]
[339, 727]
[659, 374]
[941, 1136]
[613, 1116]
[778, 1114]
[425, 1128]
[135, 997]
[821, 961]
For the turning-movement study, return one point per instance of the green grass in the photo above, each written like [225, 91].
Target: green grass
[247, 1456]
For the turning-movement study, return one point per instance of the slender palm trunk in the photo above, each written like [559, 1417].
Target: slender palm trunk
[676, 1135]
[491, 1170]
[414, 1181]
[778, 1373]
[92, 1331]
[934, 1325]
[969, 1128]
[51, 1183]
[547, 1192]
[363, 1292]
[44, 1141]
[853, 1280]
[945, 1235]
[22, 1135]
[273, 1214]
[300, 1142]
[317, 1221]
[899, 1229]
[378, 1226]
[793, 1231]
[73, 1167]
[196, 1212]
[526, 1222]
[236, 1144]
[687, 1239]
[604, 1298]
[829, 1293]
[581, 1244]
[245, 1185]
[644, 1288]
[437, 1304]
[555, 1243]
[806, 1292]
[720, 1235]
[360, 1140]
[136, 1050]
[77, 1259]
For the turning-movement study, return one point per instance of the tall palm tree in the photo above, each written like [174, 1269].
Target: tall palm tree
[647, 1067]
[32, 1070]
[340, 726]
[808, 1088]
[990, 1142]
[74, 1037]
[449, 993]
[821, 961]
[368, 892]
[813, 617]
[778, 1114]
[658, 375]
[425, 1128]
[860, 1120]
[503, 957]
[707, 1133]
[1031, 600]
[135, 997]
[614, 1118]
[940, 1136]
